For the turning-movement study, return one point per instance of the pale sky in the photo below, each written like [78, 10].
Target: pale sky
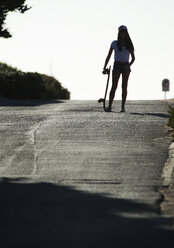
[70, 39]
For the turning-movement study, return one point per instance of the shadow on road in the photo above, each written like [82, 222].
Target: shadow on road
[16, 103]
[152, 114]
[48, 215]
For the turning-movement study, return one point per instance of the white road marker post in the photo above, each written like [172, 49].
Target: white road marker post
[165, 87]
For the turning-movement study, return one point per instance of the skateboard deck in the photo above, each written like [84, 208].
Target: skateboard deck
[103, 100]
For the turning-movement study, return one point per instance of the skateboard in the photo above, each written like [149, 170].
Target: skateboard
[103, 100]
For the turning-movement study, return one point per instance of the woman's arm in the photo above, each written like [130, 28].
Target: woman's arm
[108, 58]
[133, 58]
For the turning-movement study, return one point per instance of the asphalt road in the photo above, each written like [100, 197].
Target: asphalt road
[72, 175]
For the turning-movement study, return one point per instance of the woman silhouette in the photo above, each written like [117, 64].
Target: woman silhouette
[123, 48]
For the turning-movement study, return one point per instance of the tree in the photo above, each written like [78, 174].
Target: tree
[7, 6]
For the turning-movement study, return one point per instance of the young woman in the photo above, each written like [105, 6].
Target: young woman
[123, 48]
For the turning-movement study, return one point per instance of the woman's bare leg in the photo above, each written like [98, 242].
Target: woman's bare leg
[115, 79]
[125, 77]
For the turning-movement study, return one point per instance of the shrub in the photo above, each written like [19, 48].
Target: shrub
[171, 118]
[16, 84]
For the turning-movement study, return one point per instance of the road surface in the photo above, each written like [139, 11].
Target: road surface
[72, 175]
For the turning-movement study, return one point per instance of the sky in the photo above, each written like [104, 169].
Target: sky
[70, 39]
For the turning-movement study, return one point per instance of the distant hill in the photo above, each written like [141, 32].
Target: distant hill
[16, 84]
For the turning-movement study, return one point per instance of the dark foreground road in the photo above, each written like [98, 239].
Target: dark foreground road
[72, 175]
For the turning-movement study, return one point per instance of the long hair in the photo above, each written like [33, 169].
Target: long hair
[128, 42]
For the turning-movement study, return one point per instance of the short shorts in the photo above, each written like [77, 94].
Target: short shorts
[120, 66]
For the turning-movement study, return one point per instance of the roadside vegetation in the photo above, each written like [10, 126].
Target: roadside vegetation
[171, 119]
[15, 84]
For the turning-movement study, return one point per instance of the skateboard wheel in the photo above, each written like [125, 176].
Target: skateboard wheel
[101, 100]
